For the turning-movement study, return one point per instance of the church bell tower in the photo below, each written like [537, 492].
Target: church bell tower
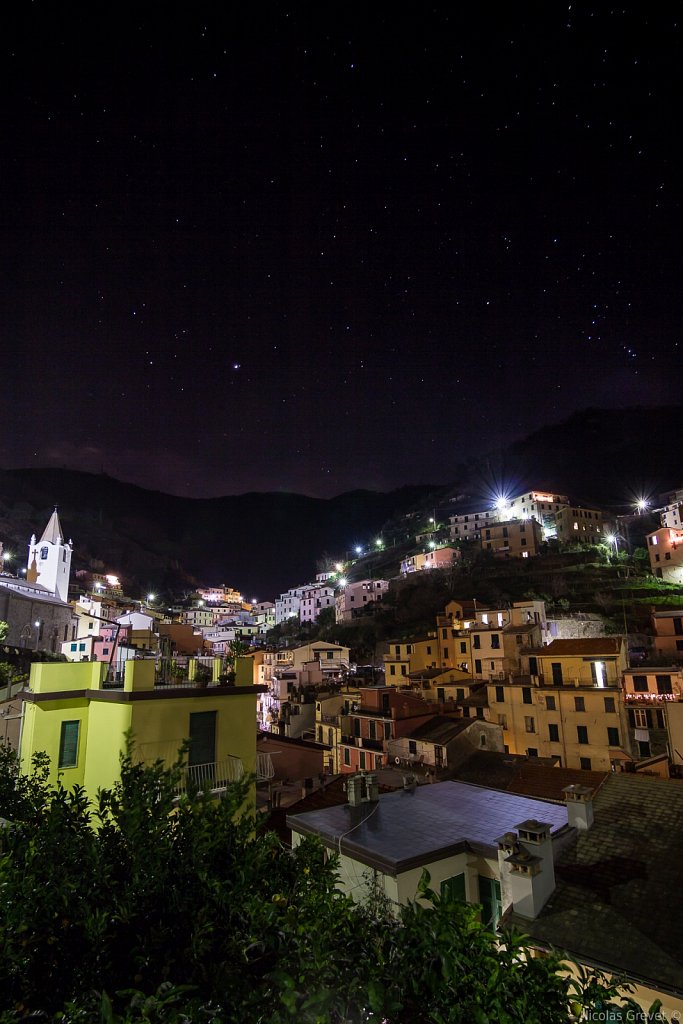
[49, 560]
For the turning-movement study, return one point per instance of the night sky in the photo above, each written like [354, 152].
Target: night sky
[332, 246]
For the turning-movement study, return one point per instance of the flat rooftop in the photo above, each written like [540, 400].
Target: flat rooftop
[410, 828]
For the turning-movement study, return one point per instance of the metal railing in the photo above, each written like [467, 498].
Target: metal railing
[372, 744]
[264, 768]
[214, 776]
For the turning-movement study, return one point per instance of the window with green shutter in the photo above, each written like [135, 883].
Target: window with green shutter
[491, 903]
[453, 888]
[68, 745]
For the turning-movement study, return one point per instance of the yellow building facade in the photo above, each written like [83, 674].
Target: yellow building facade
[568, 706]
[332, 721]
[82, 727]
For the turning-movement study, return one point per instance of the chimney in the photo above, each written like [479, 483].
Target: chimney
[354, 790]
[371, 788]
[526, 868]
[579, 806]
[362, 789]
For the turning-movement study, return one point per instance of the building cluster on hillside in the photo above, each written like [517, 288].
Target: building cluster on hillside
[530, 761]
[516, 527]
[665, 545]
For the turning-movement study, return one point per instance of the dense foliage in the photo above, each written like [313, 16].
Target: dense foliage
[141, 909]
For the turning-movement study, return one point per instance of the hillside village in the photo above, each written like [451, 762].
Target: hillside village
[511, 731]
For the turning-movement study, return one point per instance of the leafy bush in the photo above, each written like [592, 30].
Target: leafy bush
[140, 908]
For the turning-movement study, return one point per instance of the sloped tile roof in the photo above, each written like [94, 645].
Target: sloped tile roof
[588, 646]
[618, 900]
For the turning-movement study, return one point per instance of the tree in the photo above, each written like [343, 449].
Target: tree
[144, 909]
[326, 621]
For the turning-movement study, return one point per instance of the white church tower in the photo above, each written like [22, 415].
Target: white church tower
[49, 560]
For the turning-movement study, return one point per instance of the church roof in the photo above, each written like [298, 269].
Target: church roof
[53, 531]
[31, 591]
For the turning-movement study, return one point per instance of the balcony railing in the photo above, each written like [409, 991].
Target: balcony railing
[372, 744]
[214, 776]
[264, 768]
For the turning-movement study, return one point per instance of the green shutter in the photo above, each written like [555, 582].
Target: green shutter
[202, 738]
[454, 888]
[68, 745]
[489, 897]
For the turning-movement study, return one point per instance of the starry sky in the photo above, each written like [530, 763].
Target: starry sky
[331, 246]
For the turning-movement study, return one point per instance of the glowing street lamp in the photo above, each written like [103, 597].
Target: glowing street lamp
[642, 506]
[339, 566]
[613, 539]
[378, 542]
[502, 504]
[342, 581]
[358, 549]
